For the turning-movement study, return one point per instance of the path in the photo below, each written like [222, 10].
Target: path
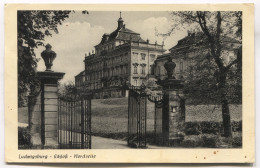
[108, 143]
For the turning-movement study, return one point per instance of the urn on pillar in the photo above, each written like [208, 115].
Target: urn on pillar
[170, 66]
[173, 107]
[48, 56]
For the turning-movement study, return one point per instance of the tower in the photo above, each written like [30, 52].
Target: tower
[120, 22]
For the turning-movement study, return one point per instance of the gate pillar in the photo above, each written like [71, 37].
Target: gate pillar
[172, 109]
[44, 118]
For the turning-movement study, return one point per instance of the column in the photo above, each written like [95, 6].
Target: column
[172, 117]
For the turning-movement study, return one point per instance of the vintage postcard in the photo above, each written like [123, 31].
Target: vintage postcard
[129, 83]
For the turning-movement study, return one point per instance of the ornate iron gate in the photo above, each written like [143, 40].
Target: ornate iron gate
[137, 117]
[74, 123]
[158, 132]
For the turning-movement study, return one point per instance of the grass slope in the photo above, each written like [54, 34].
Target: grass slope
[110, 116]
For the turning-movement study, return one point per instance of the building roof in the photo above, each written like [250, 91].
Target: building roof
[80, 74]
[122, 33]
[163, 56]
[199, 38]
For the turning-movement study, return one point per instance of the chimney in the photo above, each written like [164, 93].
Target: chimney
[147, 41]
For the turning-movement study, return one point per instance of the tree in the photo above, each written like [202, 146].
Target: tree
[215, 26]
[67, 89]
[33, 27]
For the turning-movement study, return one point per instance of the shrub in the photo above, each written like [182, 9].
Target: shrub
[236, 126]
[191, 141]
[24, 138]
[105, 97]
[192, 128]
[210, 141]
[237, 142]
[210, 127]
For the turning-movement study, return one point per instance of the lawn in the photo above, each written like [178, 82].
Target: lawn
[110, 116]
[110, 119]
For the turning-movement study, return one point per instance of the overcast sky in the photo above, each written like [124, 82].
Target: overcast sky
[80, 33]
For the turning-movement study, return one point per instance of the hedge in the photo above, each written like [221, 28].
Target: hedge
[206, 127]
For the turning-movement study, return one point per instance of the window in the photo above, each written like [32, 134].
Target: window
[112, 71]
[126, 68]
[143, 70]
[135, 82]
[181, 66]
[152, 57]
[121, 70]
[143, 56]
[158, 70]
[126, 55]
[143, 80]
[152, 69]
[135, 69]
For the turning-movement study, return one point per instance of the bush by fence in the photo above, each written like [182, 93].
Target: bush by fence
[206, 127]
[24, 138]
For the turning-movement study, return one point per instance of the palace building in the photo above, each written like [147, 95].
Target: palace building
[121, 56]
[188, 48]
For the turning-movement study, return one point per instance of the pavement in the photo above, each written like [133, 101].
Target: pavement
[107, 143]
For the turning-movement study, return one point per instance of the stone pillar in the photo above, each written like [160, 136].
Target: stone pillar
[49, 107]
[172, 117]
[44, 115]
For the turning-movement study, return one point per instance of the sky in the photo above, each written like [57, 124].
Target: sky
[80, 33]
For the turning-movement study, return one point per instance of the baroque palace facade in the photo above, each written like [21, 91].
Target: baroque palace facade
[188, 48]
[121, 56]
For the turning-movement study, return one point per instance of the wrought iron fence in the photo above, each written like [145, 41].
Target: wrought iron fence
[74, 123]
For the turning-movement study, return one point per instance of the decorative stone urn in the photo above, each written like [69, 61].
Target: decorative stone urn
[48, 56]
[170, 66]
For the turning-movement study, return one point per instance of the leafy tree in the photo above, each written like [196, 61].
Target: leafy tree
[67, 89]
[210, 71]
[33, 26]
